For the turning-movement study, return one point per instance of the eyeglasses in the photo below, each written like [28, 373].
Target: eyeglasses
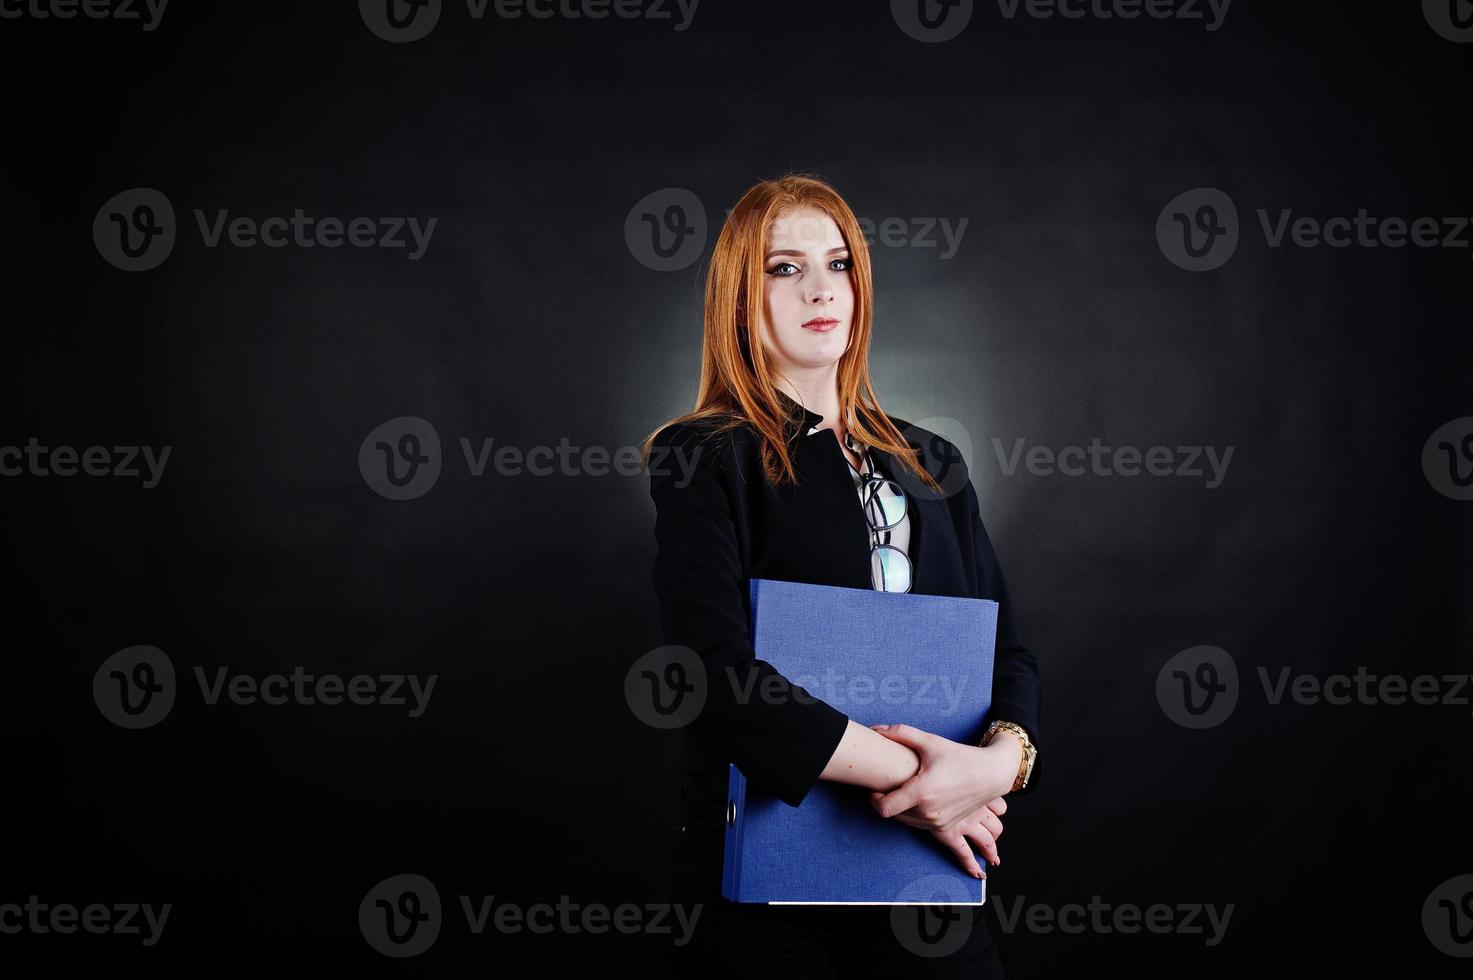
[884, 508]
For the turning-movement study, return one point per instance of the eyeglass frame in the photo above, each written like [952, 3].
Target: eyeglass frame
[869, 498]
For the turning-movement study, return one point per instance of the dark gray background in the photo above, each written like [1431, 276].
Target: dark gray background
[529, 320]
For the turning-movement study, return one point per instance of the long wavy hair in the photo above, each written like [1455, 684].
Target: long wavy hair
[738, 383]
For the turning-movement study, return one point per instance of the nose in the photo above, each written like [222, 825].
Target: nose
[821, 290]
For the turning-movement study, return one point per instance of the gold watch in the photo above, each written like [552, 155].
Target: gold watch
[1030, 754]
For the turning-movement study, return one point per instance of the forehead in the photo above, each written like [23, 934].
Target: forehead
[807, 229]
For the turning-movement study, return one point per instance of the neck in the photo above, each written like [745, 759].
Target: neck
[818, 391]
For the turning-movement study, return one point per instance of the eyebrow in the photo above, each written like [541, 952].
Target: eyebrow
[795, 251]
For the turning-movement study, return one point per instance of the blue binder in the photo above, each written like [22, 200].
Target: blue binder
[879, 657]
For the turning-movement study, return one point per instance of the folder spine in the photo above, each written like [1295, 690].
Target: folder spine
[736, 802]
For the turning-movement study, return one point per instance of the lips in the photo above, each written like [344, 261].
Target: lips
[821, 324]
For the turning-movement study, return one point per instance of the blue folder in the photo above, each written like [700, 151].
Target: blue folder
[879, 657]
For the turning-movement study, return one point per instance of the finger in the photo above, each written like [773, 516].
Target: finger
[909, 735]
[989, 820]
[998, 806]
[912, 818]
[984, 841]
[964, 854]
[896, 801]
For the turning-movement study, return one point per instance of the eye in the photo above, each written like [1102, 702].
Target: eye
[773, 271]
[845, 263]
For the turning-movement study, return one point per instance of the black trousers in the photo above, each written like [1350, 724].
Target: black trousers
[777, 942]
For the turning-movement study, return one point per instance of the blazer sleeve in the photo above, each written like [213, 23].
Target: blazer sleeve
[1016, 695]
[779, 735]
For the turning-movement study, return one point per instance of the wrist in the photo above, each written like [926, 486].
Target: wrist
[1002, 758]
[1019, 747]
[900, 764]
[1009, 746]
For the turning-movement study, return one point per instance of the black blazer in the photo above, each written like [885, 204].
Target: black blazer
[725, 523]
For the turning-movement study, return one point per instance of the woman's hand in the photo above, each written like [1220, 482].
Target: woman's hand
[981, 827]
[954, 780]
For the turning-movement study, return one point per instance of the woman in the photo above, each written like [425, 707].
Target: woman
[784, 460]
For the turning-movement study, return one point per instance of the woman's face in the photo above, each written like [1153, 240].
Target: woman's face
[808, 291]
